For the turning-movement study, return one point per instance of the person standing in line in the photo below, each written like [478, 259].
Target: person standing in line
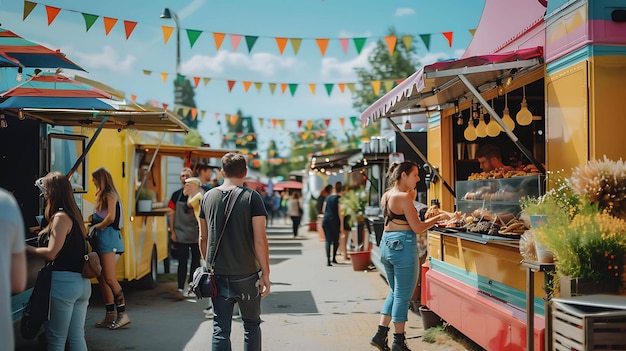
[204, 174]
[319, 204]
[106, 221]
[294, 210]
[242, 264]
[184, 234]
[332, 222]
[69, 291]
[399, 252]
[12, 262]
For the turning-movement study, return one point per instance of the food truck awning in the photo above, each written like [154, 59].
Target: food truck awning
[333, 161]
[184, 151]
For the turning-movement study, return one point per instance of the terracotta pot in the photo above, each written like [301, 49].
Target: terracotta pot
[360, 260]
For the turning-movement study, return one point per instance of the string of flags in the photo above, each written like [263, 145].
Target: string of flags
[235, 39]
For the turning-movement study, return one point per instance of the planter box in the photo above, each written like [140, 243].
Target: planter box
[583, 286]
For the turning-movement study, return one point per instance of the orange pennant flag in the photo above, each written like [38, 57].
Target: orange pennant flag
[52, 13]
[376, 87]
[231, 84]
[163, 76]
[246, 86]
[448, 36]
[281, 43]
[342, 87]
[196, 81]
[391, 43]
[109, 23]
[164, 106]
[274, 122]
[133, 97]
[309, 124]
[342, 120]
[234, 119]
[167, 32]
[283, 87]
[322, 43]
[194, 113]
[312, 88]
[219, 39]
[129, 26]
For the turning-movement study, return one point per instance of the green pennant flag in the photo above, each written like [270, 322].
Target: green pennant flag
[358, 44]
[250, 40]
[181, 79]
[193, 35]
[28, 8]
[426, 40]
[329, 87]
[353, 120]
[89, 20]
[292, 88]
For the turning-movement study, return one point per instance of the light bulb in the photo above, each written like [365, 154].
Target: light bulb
[481, 128]
[524, 117]
[508, 121]
[493, 128]
[460, 121]
[470, 131]
[3, 122]
[20, 115]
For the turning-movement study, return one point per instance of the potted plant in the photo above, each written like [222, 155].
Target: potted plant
[312, 216]
[145, 198]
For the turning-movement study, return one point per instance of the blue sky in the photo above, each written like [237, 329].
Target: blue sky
[120, 63]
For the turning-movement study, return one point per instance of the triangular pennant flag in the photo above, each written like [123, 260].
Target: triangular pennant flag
[329, 88]
[448, 36]
[281, 123]
[472, 31]
[391, 40]
[272, 87]
[342, 120]
[193, 35]
[292, 88]
[235, 39]
[202, 113]
[167, 32]
[180, 79]
[342, 87]
[227, 118]
[312, 88]
[358, 44]
[206, 81]
[129, 26]
[219, 39]
[258, 86]
[309, 124]
[89, 20]
[231, 84]
[353, 120]
[344, 44]
[164, 76]
[28, 8]
[327, 122]
[274, 122]
[407, 40]
[234, 119]
[283, 87]
[399, 80]
[322, 43]
[217, 115]
[261, 120]
[164, 106]
[109, 23]
[281, 43]
[295, 44]
[376, 87]
[246, 85]
[250, 40]
[299, 123]
[52, 13]
[147, 72]
[426, 39]
[185, 111]
[133, 97]
[196, 81]
[388, 84]
[194, 113]
[350, 87]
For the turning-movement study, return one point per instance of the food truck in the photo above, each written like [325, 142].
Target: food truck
[549, 75]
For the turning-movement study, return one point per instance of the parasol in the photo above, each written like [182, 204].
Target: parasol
[290, 184]
[16, 51]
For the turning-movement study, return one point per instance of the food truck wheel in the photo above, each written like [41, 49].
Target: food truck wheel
[149, 281]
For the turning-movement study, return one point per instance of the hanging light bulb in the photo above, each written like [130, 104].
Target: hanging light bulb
[407, 125]
[470, 132]
[459, 120]
[474, 110]
[493, 128]
[481, 127]
[3, 121]
[524, 117]
[506, 117]
[20, 114]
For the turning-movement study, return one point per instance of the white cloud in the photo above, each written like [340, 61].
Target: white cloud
[190, 8]
[264, 64]
[108, 59]
[333, 68]
[404, 11]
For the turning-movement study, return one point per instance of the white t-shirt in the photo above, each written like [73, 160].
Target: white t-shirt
[292, 207]
[12, 241]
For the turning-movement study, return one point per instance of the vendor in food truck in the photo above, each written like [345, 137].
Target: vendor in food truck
[490, 158]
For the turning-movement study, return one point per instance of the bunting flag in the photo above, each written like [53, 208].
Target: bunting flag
[281, 43]
[342, 120]
[448, 36]
[89, 20]
[219, 39]
[376, 86]
[353, 120]
[147, 72]
[231, 84]
[426, 40]
[322, 43]
[128, 28]
[193, 35]
[390, 40]
[283, 87]
[52, 13]
[272, 87]
[167, 32]
[327, 122]
[206, 81]
[250, 40]
[258, 86]
[329, 88]
[342, 87]
[407, 40]
[109, 23]
[295, 44]
[196, 81]
[350, 87]
[234, 119]
[133, 97]
[194, 113]
[235, 39]
[299, 123]
[28, 8]
[472, 31]
[202, 113]
[246, 86]
[292, 88]
[388, 83]
[358, 44]
[344, 44]
[312, 88]
[164, 76]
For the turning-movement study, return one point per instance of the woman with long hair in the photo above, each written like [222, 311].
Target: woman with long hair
[106, 221]
[294, 210]
[399, 253]
[69, 292]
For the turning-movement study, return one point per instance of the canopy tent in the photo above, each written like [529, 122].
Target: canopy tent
[16, 51]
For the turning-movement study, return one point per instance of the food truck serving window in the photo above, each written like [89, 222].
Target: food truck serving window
[63, 151]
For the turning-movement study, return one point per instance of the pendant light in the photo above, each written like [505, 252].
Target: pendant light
[506, 117]
[524, 117]
[481, 128]
[470, 131]
[493, 128]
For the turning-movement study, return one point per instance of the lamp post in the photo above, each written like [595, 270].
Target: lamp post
[168, 14]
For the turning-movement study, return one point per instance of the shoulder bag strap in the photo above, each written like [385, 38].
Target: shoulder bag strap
[232, 199]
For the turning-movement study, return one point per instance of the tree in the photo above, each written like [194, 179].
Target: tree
[400, 65]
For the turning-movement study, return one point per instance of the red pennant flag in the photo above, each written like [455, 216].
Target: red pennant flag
[231, 84]
[129, 27]
[448, 36]
[52, 13]
[164, 106]
[196, 81]
[299, 123]
[327, 122]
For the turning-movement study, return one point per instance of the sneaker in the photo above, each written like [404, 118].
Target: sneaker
[178, 294]
[208, 310]
[189, 294]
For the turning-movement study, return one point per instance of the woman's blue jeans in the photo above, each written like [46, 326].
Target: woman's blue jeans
[69, 298]
[243, 290]
[398, 254]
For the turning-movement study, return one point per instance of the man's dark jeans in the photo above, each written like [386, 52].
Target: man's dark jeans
[243, 290]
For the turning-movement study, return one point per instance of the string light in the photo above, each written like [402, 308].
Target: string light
[3, 121]
[524, 117]
[481, 128]
[506, 117]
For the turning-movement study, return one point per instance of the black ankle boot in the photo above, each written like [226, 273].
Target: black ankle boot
[399, 342]
[380, 339]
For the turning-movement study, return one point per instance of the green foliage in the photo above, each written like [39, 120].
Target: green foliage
[193, 138]
[353, 203]
[312, 211]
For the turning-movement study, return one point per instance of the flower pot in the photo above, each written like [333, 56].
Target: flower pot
[360, 260]
[312, 226]
[144, 205]
[585, 286]
[429, 318]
